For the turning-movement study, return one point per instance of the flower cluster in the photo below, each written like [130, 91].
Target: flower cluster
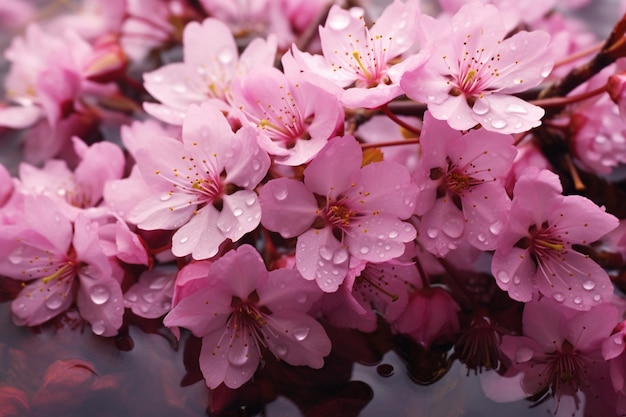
[234, 170]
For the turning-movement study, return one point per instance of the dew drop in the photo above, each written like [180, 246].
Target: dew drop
[226, 56]
[166, 305]
[516, 280]
[237, 212]
[481, 107]
[498, 124]
[523, 354]
[326, 253]
[364, 250]
[496, 227]
[148, 297]
[393, 234]
[281, 350]
[98, 328]
[558, 297]
[156, 78]
[618, 339]
[338, 21]
[16, 256]
[578, 300]
[546, 71]
[589, 285]
[597, 297]
[516, 108]
[183, 239]
[481, 237]
[280, 193]
[53, 303]
[432, 233]
[238, 357]
[301, 333]
[179, 88]
[432, 98]
[250, 200]
[503, 277]
[165, 196]
[159, 283]
[452, 246]
[99, 294]
[131, 297]
[453, 226]
[340, 256]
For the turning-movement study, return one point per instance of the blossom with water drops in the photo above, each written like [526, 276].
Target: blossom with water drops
[60, 264]
[461, 192]
[202, 187]
[341, 210]
[362, 60]
[207, 72]
[471, 77]
[536, 251]
[562, 355]
[244, 311]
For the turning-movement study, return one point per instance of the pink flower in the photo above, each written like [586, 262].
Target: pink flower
[430, 317]
[359, 58]
[151, 296]
[244, 310]
[294, 118]
[207, 72]
[535, 251]
[202, 186]
[358, 211]
[461, 193]
[471, 77]
[61, 264]
[561, 353]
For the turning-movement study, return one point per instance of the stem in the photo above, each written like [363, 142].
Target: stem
[563, 101]
[580, 54]
[399, 122]
[391, 143]
[578, 184]
[307, 36]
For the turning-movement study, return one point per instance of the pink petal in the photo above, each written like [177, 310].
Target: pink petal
[379, 238]
[317, 256]
[200, 236]
[100, 302]
[151, 297]
[19, 117]
[39, 302]
[506, 114]
[287, 290]
[288, 207]
[513, 272]
[583, 220]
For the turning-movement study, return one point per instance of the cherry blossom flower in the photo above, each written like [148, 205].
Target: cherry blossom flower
[461, 195]
[474, 72]
[244, 310]
[207, 72]
[361, 59]
[535, 250]
[151, 296]
[202, 186]
[60, 264]
[360, 212]
[295, 118]
[561, 352]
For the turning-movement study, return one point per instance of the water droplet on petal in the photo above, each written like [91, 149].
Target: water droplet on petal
[481, 107]
[503, 277]
[131, 297]
[226, 56]
[179, 88]
[281, 350]
[498, 124]
[597, 297]
[98, 328]
[618, 339]
[558, 297]
[53, 303]
[338, 21]
[341, 255]
[238, 357]
[589, 285]
[237, 212]
[250, 200]
[256, 165]
[432, 233]
[578, 300]
[326, 253]
[165, 196]
[159, 283]
[516, 108]
[393, 234]
[481, 238]
[280, 193]
[516, 280]
[364, 250]
[453, 226]
[148, 297]
[301, 333]
[16, 256]
[523, 354]
[546, 71]
[183, 239]
[496, 227]
[99, 294]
